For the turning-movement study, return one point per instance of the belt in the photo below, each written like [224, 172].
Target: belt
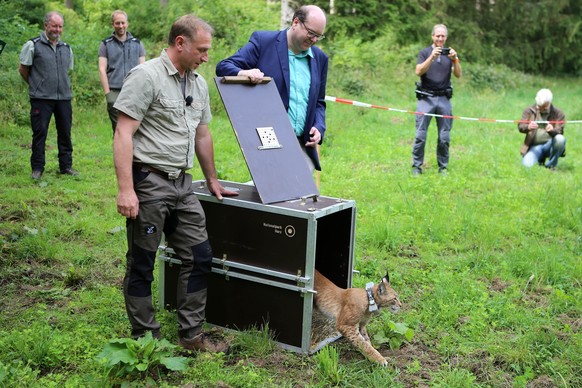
[432, 93]
[170, 176]
[438, 93]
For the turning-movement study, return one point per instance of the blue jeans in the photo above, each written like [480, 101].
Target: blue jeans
[440, 105]
[553, 148]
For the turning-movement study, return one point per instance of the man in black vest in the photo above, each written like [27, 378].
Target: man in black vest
[45, 62]
[118, 54]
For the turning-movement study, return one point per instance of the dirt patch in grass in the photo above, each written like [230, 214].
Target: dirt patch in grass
[28, 283]
[284, 365]
[537, 296]
[416, 361]
[418, 364]
[497, 285]
[574, 322]
[542, 382]
[10, 216]
[484, 367]
[410, 251]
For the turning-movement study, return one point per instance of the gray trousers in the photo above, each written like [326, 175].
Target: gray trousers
[111, 97]
[437, 105]
[169, 207]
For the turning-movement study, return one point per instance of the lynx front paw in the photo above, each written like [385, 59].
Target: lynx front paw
[378, 358]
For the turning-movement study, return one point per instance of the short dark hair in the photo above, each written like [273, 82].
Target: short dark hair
[188, 26]
[301, 13]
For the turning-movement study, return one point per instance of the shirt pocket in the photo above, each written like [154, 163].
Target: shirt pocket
[194, 112]
[167, 110]
[170, 104]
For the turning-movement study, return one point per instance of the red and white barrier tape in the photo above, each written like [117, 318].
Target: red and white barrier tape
[365, 105]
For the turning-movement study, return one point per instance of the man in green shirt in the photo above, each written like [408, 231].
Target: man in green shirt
[164, 111]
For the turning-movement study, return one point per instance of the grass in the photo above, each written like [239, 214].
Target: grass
[486, 259]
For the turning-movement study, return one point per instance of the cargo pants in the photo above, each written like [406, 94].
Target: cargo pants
[167, 206]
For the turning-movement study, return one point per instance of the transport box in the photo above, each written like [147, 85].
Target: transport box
[264, 256]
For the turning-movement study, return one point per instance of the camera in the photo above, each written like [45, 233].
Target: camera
[445, 50]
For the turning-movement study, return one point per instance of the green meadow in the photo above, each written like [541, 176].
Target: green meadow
[487, 260]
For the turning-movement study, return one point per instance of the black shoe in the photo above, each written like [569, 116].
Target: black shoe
[70, 171]
[416, 171]
[36, 175]
[443, 171]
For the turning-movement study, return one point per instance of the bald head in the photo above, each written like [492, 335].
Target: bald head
[308, 12]
[307, 28]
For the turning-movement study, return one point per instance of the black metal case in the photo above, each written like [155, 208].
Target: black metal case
[264, 261]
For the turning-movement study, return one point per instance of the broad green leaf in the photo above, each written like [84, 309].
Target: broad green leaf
[409, 334]
[400, 328]
[175, 363]
[395, 343]
[142, 366]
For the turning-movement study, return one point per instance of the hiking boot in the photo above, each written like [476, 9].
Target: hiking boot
[70, 171]
[205, 342]
[416, 171]
[36, 175]
[443, 171]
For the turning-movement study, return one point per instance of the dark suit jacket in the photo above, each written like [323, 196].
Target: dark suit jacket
[268, 52]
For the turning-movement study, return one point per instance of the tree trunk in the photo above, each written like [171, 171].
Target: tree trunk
[286, 14]
[69, 4]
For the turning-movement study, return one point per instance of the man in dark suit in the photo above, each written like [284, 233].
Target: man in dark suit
[298, 68]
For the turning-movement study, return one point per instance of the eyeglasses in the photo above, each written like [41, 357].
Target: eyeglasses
[312, 34]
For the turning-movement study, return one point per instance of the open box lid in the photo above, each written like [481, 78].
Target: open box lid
[268, 142]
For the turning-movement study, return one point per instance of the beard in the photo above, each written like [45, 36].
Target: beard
[54, 37]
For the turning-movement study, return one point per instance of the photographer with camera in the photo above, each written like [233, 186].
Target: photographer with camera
[434, 67]
[543, 125]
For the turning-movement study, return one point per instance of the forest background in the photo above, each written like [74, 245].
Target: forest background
[487, 260]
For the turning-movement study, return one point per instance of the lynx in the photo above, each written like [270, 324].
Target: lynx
[352, 309]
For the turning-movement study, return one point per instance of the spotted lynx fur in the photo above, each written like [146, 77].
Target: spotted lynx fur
[350, 310]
